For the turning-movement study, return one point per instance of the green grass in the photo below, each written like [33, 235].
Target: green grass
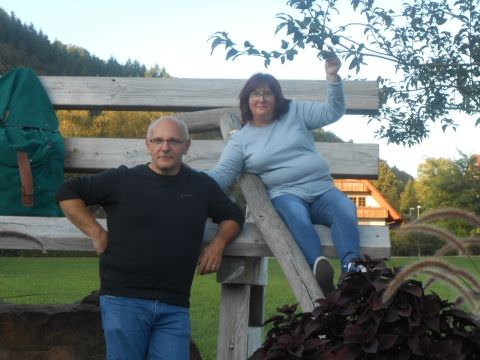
[66, 280]
[46, 280]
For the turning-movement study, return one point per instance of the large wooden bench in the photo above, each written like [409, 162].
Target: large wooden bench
[205, 104]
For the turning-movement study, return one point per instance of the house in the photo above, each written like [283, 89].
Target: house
[372, 207]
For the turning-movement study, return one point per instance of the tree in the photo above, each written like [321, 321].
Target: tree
[434, 47]
[408, 198]
[22, 45]
[110, 124]
[402, 178]
[326, 136]
[387, 183]
[444, 183]
[157, 72]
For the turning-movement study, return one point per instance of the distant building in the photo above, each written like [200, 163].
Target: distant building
[372, 207]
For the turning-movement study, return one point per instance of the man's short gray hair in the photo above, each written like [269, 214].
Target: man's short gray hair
[180, 123]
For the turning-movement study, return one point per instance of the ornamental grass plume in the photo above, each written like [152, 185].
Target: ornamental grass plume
[460, 279]
[467, 286]
[449, 213]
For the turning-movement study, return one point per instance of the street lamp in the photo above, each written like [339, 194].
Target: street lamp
[418, 211]
[419, 252]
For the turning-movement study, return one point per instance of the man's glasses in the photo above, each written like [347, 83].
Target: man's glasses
[169, 142]
[256, 95]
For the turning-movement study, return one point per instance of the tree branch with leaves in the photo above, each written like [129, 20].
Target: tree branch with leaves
[434, 47]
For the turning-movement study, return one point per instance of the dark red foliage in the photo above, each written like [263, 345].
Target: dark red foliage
[352, 323]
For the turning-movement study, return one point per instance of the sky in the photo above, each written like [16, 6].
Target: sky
[174, 35]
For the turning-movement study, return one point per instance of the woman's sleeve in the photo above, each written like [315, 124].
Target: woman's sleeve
[319, 114]
[230, 164]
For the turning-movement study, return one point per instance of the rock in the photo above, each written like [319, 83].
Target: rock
[55, 332]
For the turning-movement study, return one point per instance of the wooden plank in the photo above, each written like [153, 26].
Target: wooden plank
[232, 333]
[205, 120]
[254, 339]
[281, 243]
[58, 234]
[128, 93]
[346, 160]
[243, 270]
[257, 306]
[252, 271]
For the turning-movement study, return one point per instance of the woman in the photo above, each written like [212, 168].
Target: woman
[275, 143]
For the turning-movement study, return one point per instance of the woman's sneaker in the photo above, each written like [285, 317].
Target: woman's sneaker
[353, 267]
[323, 271]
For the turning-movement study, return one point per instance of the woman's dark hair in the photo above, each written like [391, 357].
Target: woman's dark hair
[256, 81]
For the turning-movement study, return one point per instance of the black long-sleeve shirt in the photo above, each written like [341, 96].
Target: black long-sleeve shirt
[155, 228]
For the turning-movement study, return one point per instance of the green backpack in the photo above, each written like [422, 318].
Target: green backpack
[32, 151]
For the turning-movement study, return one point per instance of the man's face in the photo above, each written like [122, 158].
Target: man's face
[167, 144]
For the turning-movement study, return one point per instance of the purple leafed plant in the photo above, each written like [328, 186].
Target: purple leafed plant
[355, 322]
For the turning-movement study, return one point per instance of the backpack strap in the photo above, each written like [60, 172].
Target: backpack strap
[25, 178]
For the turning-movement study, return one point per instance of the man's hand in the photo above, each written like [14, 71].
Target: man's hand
[211, 258]
[100, 243]
[78, 213]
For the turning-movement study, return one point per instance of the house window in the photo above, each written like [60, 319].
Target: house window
[359, 201]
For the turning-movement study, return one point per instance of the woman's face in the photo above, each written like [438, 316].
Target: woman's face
[262, 103]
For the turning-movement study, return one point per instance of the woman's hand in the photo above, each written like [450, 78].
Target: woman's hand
[332, 65]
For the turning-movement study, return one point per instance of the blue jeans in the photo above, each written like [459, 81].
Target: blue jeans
[332, 209]
[138, 329]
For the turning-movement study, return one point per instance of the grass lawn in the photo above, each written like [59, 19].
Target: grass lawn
[66, 280]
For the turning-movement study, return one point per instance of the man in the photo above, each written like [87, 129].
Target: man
[156, 216]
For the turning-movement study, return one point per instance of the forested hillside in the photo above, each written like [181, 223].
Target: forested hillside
[23, 45]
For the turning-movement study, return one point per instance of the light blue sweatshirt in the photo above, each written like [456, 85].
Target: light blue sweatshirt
[283, 154]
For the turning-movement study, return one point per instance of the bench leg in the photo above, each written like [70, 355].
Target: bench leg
[234, 314]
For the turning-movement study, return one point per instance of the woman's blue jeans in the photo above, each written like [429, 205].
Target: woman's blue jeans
[332, 209]
[140, 329]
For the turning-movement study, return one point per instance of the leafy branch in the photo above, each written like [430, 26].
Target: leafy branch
[434, 47]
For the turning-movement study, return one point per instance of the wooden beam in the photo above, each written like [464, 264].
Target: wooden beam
[251, 272]
[243, 270]
[204, 120]
[149, 94]
[232, 343]
[346, 160]
[58, 234]
[280, 242]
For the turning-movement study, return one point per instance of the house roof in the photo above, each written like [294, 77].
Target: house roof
[393, 215]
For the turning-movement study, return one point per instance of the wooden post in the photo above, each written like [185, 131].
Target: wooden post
[232, 332]
[241, 306]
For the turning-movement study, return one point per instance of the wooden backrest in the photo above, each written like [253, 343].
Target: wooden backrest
[105, 93]
[347, 160]
[206, 101]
